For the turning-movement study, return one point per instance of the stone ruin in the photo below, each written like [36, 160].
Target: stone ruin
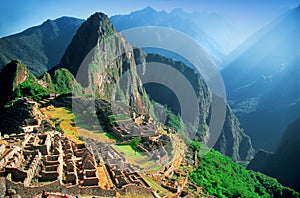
[33, 162]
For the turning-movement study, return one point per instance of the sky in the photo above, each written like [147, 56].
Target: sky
[18, 15]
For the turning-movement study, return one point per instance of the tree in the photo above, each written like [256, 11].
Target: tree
[134, 142]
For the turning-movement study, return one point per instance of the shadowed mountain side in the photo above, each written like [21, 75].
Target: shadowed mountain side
[232, 141]
[284, 163]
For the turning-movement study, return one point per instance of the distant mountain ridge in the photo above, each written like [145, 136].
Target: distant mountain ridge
[204, 28]
[262, 82]
[48, 41]
[39, 47]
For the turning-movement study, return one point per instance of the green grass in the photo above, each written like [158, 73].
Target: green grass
[66, 117]
[110, 136]
[134, 157]
[130, 153]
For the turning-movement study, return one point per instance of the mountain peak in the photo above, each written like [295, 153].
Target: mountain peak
[149, 9]
[95, 28]
[178, 11]
[69, 20]
[98, 16]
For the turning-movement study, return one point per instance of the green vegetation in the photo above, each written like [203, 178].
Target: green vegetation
[62, 119]
[110, 136]
[158, 188]
[173, 120]
[135, 157]
[64, 82]
[220, 176]
[134, 142]
[113, 119]
[22, 83]
[39, 47]
[31, 88]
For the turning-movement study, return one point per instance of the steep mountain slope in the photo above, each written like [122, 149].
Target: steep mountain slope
[17, 81]
[103, 63]
[262, 81]
[233, 141]
[10, 77]
[221, 177]
[177, 20]
[40, 47]
[284, 164]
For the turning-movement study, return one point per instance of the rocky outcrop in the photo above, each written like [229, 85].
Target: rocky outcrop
[284, 163]
[233, 141]
[10, 77]
[17, 82]
[103, 63]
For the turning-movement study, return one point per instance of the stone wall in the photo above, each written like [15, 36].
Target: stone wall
[135, 190]
[29, 192]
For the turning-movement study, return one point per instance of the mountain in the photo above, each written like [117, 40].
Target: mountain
[10, 77]
[17, 81]
[233, 141]
[181, 21]
[40, 47]
[262, 80]
[284, 163]
[103, 63]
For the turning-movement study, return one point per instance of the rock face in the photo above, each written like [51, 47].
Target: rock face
[100, 58]
[284, 163]
[10, 77]
[41, 47]
[262, 80]
[233, 141]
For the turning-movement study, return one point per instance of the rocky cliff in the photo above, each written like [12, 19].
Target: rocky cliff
[284, 163]
[10, 77]
[103, 63]
[233, 141]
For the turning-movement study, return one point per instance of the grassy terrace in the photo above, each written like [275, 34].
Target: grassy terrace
[69, 127]
[137, 158]
[65, 117]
